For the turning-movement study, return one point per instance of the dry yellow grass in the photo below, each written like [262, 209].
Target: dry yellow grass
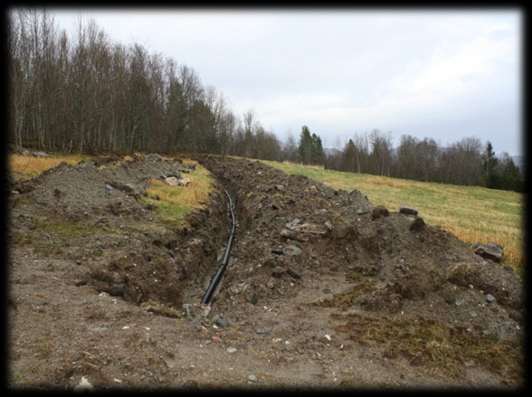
[175, 202]
[25, 167]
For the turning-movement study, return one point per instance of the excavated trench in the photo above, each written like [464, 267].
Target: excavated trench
[384, 271]
[289, 228]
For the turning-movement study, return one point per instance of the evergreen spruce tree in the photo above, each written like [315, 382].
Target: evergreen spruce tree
[489, 167]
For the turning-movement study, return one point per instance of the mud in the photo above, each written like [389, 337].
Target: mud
[322, 288]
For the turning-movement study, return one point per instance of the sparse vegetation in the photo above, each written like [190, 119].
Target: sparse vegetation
[472, 213]
[432, 344]
[173, 203]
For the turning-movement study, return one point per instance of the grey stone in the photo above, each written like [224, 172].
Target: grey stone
[220, 321]
[490, 298]
[292, 250]
[408, 211]
[188, 310]
[263, 331]
[277, 251]
[489, 251]
[117, 290]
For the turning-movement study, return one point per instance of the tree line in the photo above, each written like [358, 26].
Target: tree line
[466, 162]
[87, 94]
[91, 95]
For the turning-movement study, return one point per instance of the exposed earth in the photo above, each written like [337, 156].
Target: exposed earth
[322, 288]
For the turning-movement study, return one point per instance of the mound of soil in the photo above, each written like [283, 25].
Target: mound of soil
[93, 213]
[294, 223]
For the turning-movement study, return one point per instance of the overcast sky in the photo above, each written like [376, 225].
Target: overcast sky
[440, 74]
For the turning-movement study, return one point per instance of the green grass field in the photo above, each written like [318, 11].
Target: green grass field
[473, 214]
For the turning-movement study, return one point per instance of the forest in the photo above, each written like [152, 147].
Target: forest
[84, 93]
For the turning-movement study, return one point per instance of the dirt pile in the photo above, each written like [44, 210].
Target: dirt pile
[293, 230]
[293, 223]
[93, 213]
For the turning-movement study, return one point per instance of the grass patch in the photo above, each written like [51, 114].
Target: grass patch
[433, 345]
[472, 213]
[67, 229]
[176, 202]
[24, 167]
[60, 232]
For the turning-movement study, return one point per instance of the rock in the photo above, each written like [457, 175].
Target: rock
[279, 187]
[39, 154]
[306, 228]
[184, 181]
[263, 331]
[153, 157]
[84, 384]
[252, 378]
[379, 212]
[277, 251]
[188, 310]
[417, 224]
[126, 188]
[292, 250]
[270, 284]
[231, 350]
[290, 235]
[294, 222]
[108, 189]
[118, 290]
[293, 274]
[362, 211]
[407, 211]
[171, 180]
[490, 298]
[489, 251]
[220, 321]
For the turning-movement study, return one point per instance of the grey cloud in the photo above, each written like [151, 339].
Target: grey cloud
[444, 75]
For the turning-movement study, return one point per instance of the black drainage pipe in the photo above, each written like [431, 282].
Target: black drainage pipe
[207, 297]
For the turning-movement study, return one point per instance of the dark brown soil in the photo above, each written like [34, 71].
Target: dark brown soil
[321, 288]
